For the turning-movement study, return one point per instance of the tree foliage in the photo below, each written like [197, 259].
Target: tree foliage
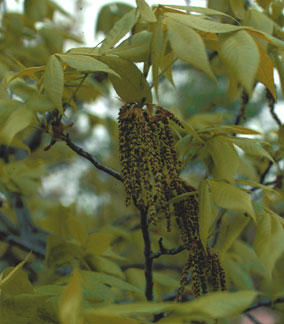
[189, 227]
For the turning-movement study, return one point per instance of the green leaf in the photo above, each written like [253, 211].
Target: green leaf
[229, 129]
[201, 10]
[241, 56]
[13, 273]
[119, 30]
[84, 63]
[28, 72]
[220, 304]
[94, 318]
[268, 240]
[109, 280]
[77, 230]
[135, 48]
[257, 185]
[181, 197]
[244, 251]
[36, 10]
[19, 284]
[70, 300]
[145, 11]
[265, 70]
[98, 243]
[238, 272]
[202, 23]
[39, 103]
[54, 82]
[17, 121]
[188, 45]
[250, 146]
[60, 252]
[156, 52]
[24, 309]
[132, 85]
[191, 131]
[207, 216]
[225, 158]
[238, 8]
[229, 196]
[231, 227]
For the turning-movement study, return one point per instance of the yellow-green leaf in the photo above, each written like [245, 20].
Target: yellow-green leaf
[145, 11]
[70, 300]
[268, 240]
[97, 243]
[188, 46]
[231, 227]
[202, 23]
[156, 52]
[28, 72]
[119, 30]
[207, 216]
[220, 304]
[109, 280]
[201, 10]
[54, 82]
[17, 121]
[135, 48]
[225, 158]
[10, 276]
[132, 85]
[238, 8]
[85, 63]
[265, 70]
[229, 196]
[250, 146]
[240, 54]
[94, 318]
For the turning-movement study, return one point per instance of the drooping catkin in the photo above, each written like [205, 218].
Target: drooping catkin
[150, 173]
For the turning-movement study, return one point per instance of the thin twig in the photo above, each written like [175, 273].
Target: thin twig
[23, 243]
[89, 157]
[242, 113]
[264, 174]
[164, 251]
[252, 318]
[271, 105]
[265, 303]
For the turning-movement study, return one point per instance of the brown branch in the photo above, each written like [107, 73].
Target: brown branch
[271, 105]
[147, 254]
[252, 318]
[36, 245]
[164, 251]
[264, 303]
[89, 157]
[242, 113]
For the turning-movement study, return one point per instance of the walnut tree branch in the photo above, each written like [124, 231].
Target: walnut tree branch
[164, 251]
[264, 303]
[147, 254]
[89, 157]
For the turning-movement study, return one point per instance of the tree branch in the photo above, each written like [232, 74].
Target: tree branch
[252, 318]
[147, 254]
[35, 246]
[164, 251]
[271, 105]
[89, 157]
[264, 303]
[242, 113]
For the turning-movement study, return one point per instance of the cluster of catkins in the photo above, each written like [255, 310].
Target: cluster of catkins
[150, 172]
